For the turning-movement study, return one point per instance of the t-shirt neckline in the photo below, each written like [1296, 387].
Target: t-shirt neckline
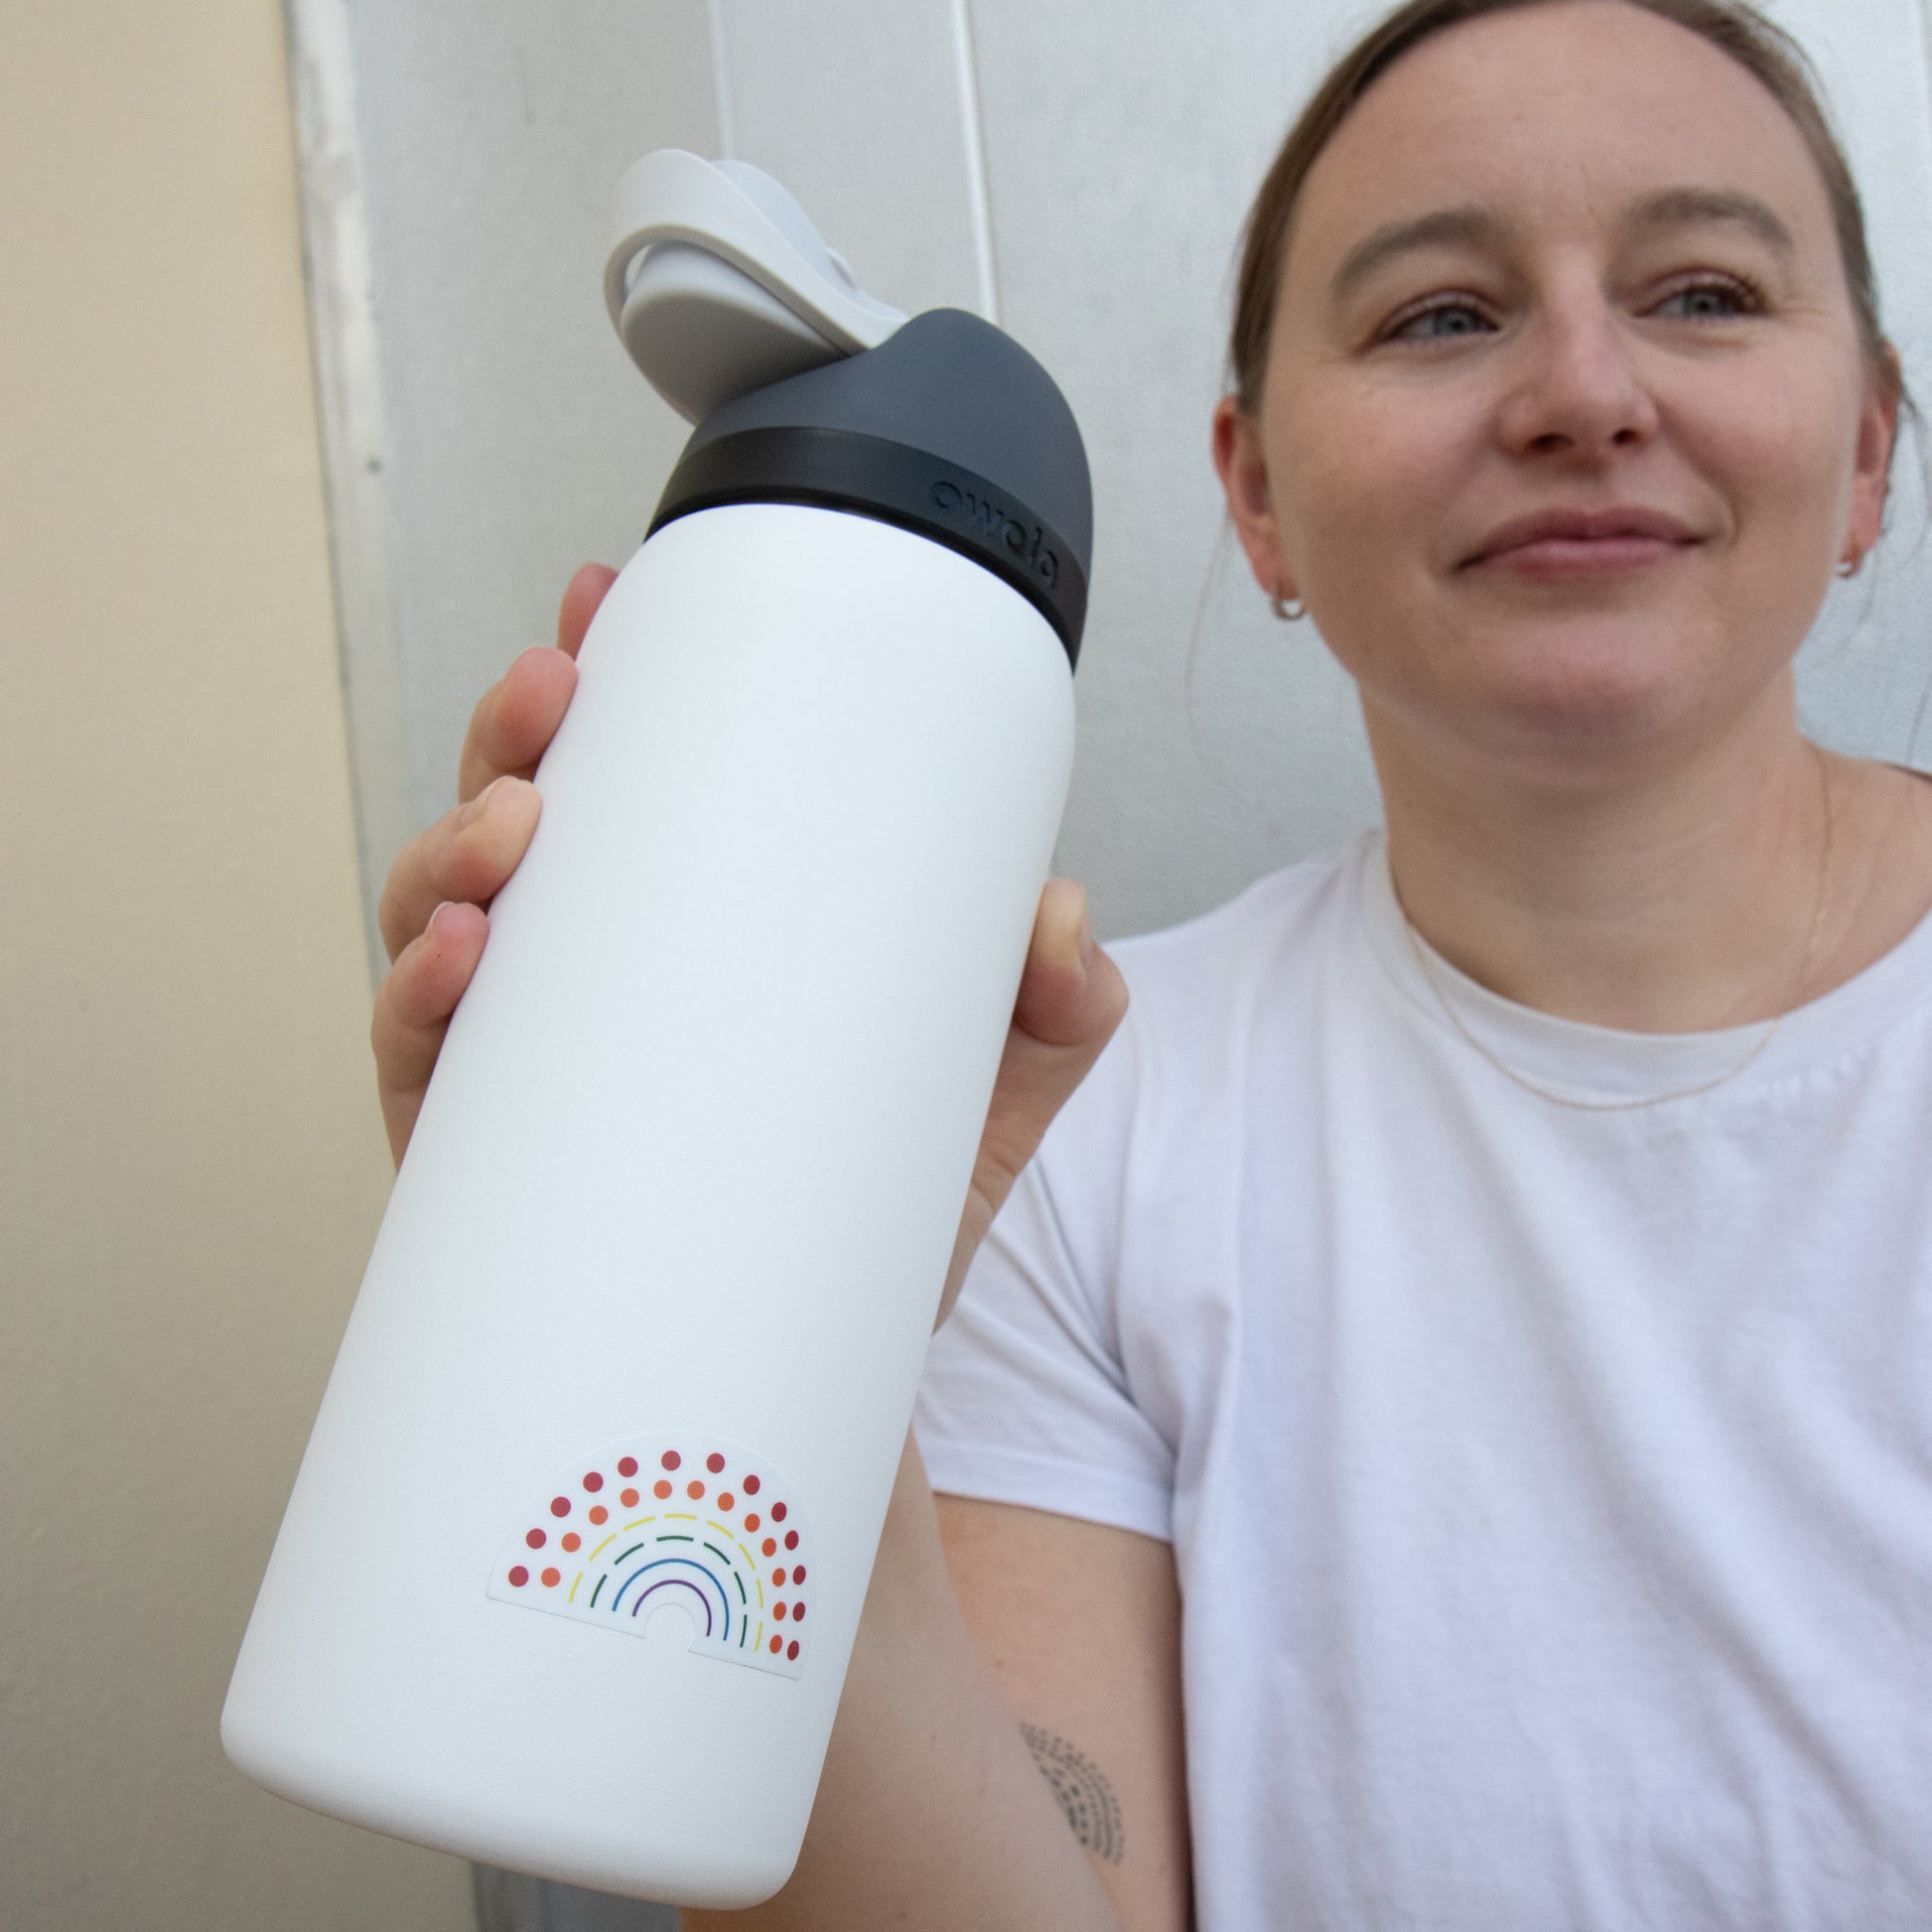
[1591, 1064]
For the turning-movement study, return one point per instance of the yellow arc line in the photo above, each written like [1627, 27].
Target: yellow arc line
[749, 1557]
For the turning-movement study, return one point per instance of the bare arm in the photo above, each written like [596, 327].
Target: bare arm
[932, 1813]
[1009, 1750]
[1079, 1626]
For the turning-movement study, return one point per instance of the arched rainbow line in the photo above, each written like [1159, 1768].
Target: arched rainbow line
[752, 1561]
[750, 1555]
[680, 1583]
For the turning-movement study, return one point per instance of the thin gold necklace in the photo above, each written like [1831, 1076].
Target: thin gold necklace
[1763, 1040]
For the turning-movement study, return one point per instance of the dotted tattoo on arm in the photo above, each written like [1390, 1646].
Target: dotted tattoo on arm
[1085, 1794]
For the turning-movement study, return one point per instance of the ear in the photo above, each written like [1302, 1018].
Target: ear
[1872, 459]
[1243, 471]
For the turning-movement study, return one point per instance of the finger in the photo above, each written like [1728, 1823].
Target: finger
[1056, 988]
[1071, 999]
[413, 1009]
[582, 596]
[515, 719]
[468, 854]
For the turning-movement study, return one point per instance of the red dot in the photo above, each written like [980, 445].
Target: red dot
[777, 1512]
[778, 1611]
[628, 1466]
[593, 1482]
[776, 1644]
[750, 1486]
[660, 1489]
[572, 1541]
[778, 1577]
[598, 1513]
[798, 1573]
[519, 1576]
[752, 1521]
[798, 1613]
[714, 1462]
[628, 1499]
[536, 1539]
[552, 1578]
[791, 1539]
[791, 1650]
[769, 1545]
[670, 1458]
[726, 1500]
[694, 1490]
[560, 1505]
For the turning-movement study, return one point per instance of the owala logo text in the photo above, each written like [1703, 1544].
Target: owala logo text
[992, 523]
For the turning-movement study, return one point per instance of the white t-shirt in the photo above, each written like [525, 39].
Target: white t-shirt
[1551, 1491]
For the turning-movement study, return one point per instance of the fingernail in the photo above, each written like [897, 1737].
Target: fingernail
[437, 920]
[490, 794]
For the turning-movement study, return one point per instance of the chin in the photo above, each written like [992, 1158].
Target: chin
[1583, 695]
[1582, 731]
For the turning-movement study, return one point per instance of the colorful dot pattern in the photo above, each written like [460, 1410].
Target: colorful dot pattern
[662, 1520]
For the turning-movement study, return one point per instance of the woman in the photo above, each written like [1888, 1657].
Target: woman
[1487, 1274]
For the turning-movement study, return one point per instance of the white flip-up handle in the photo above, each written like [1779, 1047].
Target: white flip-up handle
[674, 196]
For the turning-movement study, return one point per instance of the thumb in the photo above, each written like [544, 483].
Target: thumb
[1071, 998]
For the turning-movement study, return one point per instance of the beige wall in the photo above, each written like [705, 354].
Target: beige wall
[191, 1161]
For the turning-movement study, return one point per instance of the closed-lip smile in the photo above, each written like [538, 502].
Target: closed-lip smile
[1626, 531]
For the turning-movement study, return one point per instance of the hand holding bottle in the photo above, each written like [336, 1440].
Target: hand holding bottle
[435, 924]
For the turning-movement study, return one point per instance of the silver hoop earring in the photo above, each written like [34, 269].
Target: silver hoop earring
[1287, 612]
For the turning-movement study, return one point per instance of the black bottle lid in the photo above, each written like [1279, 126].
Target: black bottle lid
[949, 428]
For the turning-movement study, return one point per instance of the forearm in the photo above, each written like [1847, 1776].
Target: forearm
[930, 1811]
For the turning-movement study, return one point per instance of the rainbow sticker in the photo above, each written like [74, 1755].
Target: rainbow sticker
[699, 1522]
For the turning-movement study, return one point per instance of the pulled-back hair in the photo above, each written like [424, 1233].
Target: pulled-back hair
[1733, 27]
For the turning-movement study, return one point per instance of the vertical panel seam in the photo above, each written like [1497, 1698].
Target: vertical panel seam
[721, 83]
[974, 130]
[355, 445]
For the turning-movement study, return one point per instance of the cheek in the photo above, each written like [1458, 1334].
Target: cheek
[1780, 453]
[1367, 475]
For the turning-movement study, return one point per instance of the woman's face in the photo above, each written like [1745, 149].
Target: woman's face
[1566, 420]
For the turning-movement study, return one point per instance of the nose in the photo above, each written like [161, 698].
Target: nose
[1578, 389]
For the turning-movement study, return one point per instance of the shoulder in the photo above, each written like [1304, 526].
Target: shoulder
[1197, 990]
[1196, 981]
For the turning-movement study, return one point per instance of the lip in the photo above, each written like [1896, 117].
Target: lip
[1624, 535]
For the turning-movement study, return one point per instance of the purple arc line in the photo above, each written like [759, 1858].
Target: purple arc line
[675, 1582]
[681, 1563]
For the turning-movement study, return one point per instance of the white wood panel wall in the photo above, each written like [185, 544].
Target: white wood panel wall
[1118, 157]
[857, 106]
[1119, 153]
[520, 439]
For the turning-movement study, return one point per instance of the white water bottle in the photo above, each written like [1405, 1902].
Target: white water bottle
[572, 1570]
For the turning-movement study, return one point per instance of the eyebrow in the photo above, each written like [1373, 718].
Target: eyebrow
[1686, 207]
[1445, 225]
[1673, 208]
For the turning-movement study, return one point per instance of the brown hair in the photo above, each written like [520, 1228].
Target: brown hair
[1733, 26]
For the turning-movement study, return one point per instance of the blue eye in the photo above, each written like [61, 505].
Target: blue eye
[1444, 323]
[1710, 302]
